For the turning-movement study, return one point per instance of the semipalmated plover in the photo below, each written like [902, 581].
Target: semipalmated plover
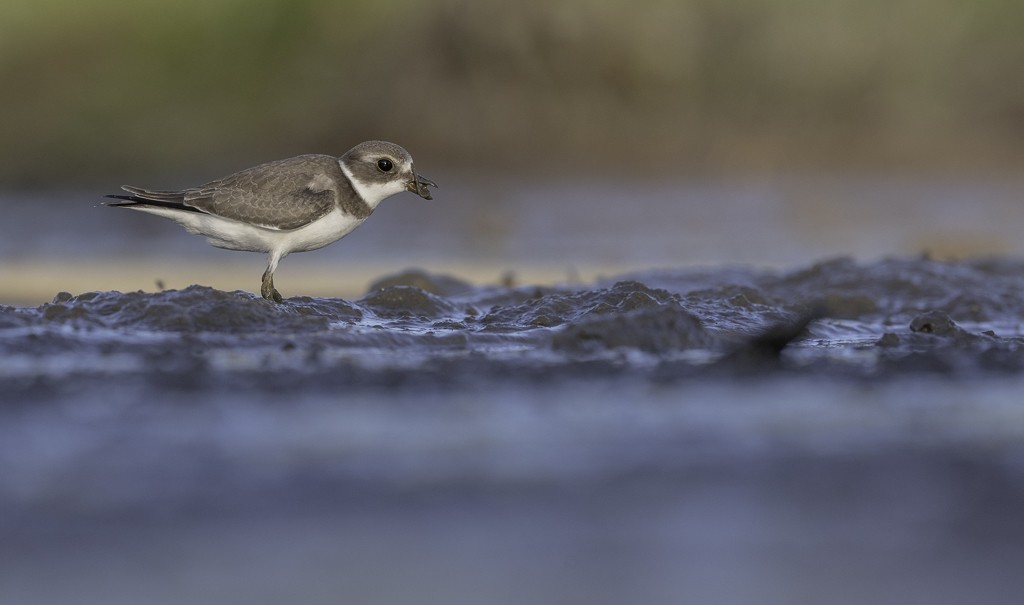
[293, 205]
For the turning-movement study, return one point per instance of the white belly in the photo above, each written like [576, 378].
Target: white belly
[235, 235]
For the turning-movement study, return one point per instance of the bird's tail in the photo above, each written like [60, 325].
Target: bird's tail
[145, 197]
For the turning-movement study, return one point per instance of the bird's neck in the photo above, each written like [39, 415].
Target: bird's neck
[371, 193]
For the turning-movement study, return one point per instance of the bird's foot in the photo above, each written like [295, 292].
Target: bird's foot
[271, 293]
[268, 291]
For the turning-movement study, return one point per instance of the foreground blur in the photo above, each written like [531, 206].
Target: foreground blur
[436, 442]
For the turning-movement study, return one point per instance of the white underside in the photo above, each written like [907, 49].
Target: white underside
[235, 235]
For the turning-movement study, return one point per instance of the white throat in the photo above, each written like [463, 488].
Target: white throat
[372, 193]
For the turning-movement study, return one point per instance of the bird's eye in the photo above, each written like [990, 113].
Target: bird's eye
[385, 165]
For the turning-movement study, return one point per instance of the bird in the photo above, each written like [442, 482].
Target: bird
[291, 205]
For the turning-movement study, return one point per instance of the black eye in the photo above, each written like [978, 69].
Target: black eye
[385, 165]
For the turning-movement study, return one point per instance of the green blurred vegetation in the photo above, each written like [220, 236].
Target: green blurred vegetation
[101, 90]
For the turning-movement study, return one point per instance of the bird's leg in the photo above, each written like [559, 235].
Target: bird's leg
[267, 289]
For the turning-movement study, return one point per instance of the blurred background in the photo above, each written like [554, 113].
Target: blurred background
[815, 128]
[571, 139]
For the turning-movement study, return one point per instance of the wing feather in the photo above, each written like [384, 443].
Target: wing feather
[286, 194]
[281, 195]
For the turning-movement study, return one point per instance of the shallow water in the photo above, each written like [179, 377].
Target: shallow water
[844, 432]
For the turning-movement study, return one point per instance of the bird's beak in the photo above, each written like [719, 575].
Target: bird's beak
[418, 185]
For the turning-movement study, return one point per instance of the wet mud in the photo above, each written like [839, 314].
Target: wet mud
[835, 417]
[860, 320]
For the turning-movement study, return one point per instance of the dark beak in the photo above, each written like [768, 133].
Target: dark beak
[419, 186]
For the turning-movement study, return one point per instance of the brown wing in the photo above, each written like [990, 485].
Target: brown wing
[286, 194]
